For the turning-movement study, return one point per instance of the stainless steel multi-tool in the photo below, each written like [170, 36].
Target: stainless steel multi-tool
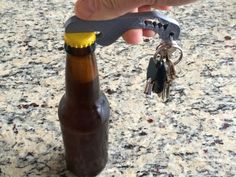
[161, 67]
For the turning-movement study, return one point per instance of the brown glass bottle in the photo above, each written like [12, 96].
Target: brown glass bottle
[84, 114]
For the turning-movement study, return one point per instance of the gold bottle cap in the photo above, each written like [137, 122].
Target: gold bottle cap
[80, 40]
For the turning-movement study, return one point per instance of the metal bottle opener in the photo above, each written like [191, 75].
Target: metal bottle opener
[108, 31]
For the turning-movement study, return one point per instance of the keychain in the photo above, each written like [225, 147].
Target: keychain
[161, 69]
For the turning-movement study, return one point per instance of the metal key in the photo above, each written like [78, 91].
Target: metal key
[170, 76]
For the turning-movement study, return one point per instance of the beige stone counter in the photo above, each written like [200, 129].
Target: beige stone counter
[194, 134]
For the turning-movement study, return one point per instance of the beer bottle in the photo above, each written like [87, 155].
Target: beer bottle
[83, 109]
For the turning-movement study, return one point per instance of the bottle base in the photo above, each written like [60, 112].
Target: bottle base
[84, 173]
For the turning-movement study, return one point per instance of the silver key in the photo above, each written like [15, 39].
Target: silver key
[170, 70]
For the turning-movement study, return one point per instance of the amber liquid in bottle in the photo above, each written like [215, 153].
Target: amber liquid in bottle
[84, 114]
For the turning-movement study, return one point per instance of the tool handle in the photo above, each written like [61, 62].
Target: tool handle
[110, 30]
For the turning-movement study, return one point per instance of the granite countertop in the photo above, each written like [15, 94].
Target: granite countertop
[194, 134]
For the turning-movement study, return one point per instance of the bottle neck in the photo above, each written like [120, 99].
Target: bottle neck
[82, 81]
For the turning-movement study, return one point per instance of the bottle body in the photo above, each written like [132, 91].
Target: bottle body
[84, 116]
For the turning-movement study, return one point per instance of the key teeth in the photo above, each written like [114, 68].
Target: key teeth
[165, 94]
[148, 87]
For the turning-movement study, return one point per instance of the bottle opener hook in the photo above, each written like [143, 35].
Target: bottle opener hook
[108, 31]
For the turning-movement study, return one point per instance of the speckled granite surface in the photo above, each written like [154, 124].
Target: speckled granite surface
[192, 135]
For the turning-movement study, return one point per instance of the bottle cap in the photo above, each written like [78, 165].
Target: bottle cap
[80, 40]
